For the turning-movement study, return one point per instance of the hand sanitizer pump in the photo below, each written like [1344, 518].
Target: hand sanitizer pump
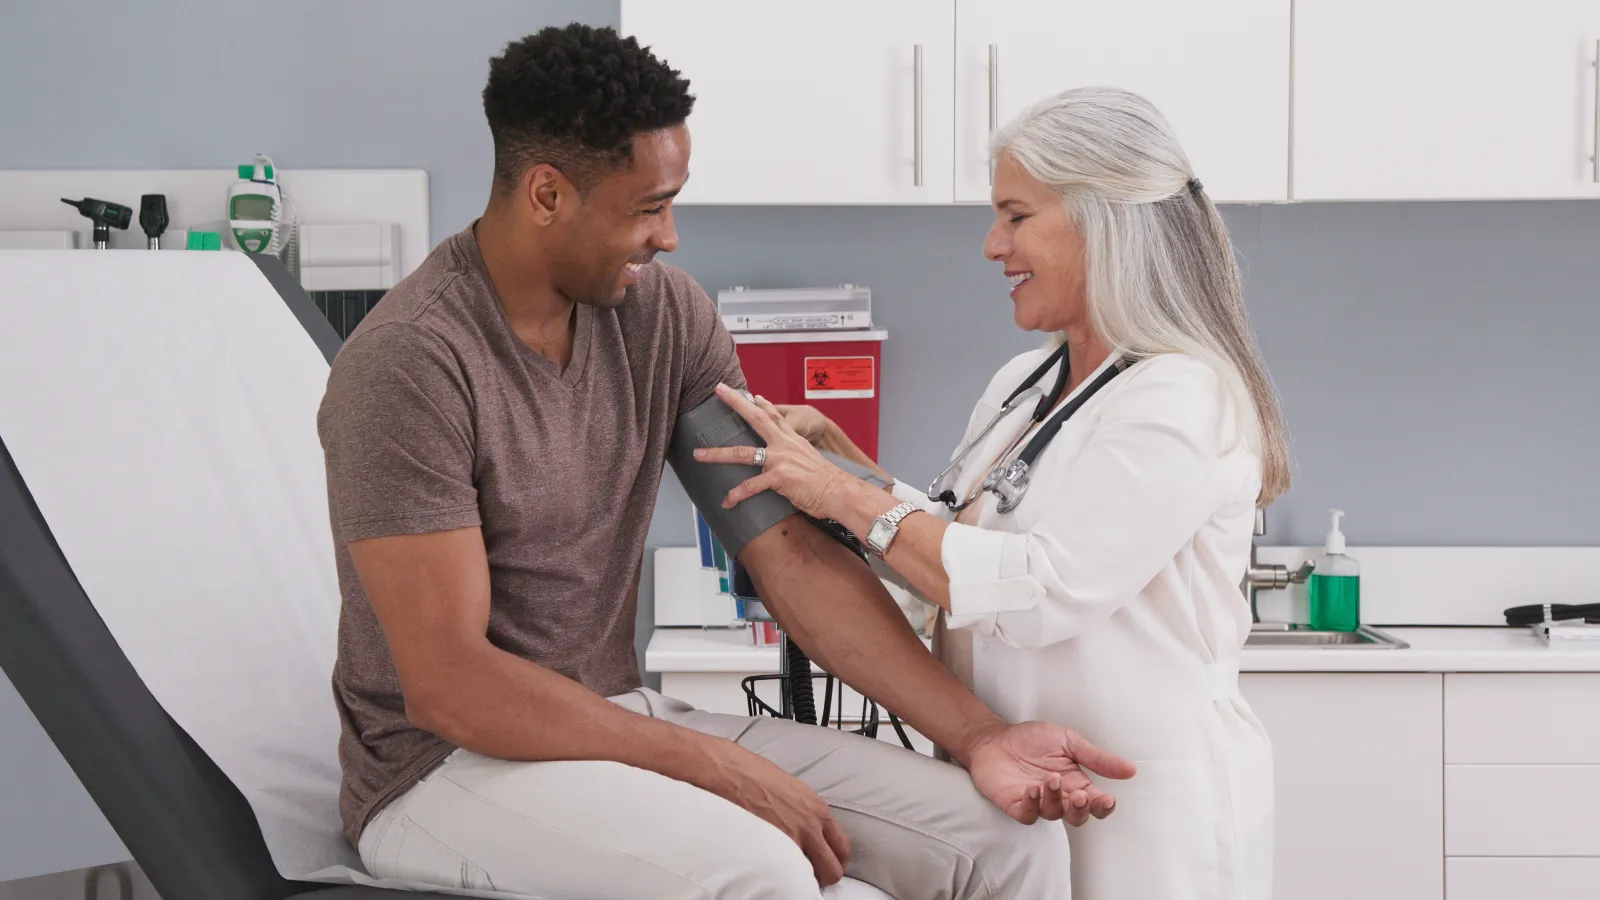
[1335, 585]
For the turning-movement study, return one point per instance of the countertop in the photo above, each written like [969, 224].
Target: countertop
[1455, 649]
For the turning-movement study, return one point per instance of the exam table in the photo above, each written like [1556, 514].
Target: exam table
[188, 825]
[185, 824]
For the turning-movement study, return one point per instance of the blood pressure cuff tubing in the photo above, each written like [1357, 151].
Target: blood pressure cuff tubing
[714, 424]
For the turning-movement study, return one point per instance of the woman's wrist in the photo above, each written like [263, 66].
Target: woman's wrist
[855, 503]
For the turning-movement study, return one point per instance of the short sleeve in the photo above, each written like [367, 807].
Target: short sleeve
[709, 352]
[397, 435]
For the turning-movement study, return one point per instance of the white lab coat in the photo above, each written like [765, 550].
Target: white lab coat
[1108, 602]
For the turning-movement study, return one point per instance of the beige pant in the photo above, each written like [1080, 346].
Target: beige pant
[918, 829]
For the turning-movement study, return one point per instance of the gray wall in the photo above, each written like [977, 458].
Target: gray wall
[1431, 356]
[1434, 359]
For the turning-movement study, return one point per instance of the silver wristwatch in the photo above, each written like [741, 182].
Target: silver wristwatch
[885, 527]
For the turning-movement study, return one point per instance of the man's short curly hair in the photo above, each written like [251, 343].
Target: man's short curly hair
[573, 97]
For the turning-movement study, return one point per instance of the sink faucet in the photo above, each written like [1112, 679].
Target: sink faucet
[1268, 577]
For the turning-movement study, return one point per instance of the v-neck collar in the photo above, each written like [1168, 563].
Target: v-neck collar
[573, 373]
[581, 334]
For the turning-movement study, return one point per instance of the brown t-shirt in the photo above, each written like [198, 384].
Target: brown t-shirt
[437, 416]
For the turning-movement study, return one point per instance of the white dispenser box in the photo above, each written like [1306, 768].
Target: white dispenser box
[847, 307]
[687, 593]
[349, 257]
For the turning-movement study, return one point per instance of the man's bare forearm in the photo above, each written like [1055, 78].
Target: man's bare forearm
[837, 610]
[506, 707]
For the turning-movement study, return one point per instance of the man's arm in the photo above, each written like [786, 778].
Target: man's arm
[833, 605]
[430, 593]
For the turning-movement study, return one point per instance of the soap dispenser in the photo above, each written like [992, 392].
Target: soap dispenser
[1335, 585]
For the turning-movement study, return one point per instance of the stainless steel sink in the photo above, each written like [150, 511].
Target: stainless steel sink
[1290, 636]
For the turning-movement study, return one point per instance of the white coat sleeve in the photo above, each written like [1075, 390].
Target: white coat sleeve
[919, 498]
[1142, 486]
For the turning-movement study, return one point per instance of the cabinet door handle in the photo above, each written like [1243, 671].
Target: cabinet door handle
[1596, 147]
[917, 120]
[994, 100]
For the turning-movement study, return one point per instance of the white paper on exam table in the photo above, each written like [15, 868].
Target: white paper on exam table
[167, 432]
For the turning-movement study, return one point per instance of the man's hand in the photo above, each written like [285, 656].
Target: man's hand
[762, 788]
[1036, 769]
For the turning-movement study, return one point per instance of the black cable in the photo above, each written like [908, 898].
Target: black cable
[901, 732]
[802, 703]
[1533, 614]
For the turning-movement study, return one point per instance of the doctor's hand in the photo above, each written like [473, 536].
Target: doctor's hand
[792, 467]
[807, 422]
[1036, 770]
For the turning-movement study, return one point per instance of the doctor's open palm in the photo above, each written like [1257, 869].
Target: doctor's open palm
[1010, 767]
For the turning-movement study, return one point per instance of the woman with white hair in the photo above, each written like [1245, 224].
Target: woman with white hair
[1086, 546]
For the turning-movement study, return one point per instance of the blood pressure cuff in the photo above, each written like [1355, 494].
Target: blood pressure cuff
[859, 471]
[714, 424]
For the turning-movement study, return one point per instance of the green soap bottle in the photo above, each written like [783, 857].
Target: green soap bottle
[1335, 585]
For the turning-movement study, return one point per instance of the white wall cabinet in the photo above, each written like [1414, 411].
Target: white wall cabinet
[1218, 70]
[1357, 760]
[1433, 99]
[821, 102]
[815, 102]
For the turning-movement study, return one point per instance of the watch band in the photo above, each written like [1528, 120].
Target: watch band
[886, 527]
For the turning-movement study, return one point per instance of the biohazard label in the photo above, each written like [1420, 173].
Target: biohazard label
[839, 377]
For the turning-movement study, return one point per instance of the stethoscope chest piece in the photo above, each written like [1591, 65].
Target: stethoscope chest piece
[1009, 483]
[1008, 480]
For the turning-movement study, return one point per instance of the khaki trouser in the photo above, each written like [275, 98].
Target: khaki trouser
[918, 829]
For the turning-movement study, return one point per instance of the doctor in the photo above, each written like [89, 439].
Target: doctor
[1097, 582]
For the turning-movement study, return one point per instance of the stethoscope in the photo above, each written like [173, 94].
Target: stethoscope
[1009, 479]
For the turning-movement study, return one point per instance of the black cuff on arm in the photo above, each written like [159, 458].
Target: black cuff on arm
[714, 424]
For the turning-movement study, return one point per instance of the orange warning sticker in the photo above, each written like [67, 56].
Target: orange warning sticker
[839, 377]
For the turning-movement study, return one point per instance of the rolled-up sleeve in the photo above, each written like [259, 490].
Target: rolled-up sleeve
[918, 498]
[1142, 486]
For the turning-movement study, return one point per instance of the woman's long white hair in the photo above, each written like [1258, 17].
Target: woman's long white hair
[1160, 275]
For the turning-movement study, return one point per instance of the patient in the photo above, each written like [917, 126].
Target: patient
[494, 433]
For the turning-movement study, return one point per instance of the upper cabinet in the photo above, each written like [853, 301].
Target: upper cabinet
[1218, 70]
[824, 102]
[1431, 99]
[894, 101]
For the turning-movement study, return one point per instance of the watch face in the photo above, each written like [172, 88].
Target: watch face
[876, 535]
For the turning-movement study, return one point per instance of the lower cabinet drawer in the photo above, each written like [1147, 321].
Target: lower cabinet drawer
[1500, 878]
[1522, 811]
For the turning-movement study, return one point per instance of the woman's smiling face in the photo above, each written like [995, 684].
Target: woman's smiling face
[1041, 249]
